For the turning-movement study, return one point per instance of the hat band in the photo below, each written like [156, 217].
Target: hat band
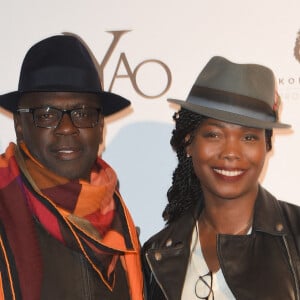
[60, 79]
[233, 103]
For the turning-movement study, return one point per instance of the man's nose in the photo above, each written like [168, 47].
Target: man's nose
[66, 125]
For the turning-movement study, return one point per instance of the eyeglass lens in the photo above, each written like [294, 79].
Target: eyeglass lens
[49, 117]
[203, 287]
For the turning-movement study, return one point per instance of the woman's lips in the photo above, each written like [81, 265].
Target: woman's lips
[228, 173]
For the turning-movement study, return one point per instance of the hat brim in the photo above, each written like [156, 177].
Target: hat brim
[110, 102]
[229, 117]
[113, 103]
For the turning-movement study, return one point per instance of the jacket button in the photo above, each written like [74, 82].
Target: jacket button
[279, 227]
[169, 242]
[158, 256]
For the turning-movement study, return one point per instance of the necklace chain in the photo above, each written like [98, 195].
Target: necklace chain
[208, 223]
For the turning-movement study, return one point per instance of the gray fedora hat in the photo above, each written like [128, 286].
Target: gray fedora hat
[243, 94]
[61, 63]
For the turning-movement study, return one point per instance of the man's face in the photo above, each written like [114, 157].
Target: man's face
[66, 150]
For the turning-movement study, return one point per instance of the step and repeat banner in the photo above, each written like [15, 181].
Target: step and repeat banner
[149, 51]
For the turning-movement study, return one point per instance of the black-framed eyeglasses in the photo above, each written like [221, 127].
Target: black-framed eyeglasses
[50, 117]
[203, 286]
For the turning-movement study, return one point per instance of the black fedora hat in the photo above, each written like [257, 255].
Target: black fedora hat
[243, 94]
[61, 63]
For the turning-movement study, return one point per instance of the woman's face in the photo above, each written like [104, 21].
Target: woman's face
[227, 158]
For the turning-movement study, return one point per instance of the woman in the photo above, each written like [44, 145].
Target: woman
[226, 236]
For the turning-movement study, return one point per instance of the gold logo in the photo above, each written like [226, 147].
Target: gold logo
[132, 72]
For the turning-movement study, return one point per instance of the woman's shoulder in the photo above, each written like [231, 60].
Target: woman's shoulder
[290, 210]
[157, 239]
[285, 205]
[174, 232]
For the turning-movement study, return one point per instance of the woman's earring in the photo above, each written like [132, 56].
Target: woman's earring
[188, 155]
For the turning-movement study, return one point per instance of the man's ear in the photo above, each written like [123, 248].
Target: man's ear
[101, 126]
[18, 127]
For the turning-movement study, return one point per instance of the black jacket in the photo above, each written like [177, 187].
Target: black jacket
[263, 265]
[68, 276]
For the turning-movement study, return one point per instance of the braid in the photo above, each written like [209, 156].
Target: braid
[185, 189]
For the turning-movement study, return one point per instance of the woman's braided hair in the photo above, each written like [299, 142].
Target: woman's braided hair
[185, 190]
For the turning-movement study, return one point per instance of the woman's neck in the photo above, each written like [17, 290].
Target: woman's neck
[229, 216]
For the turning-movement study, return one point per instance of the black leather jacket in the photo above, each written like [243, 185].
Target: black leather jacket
[260, 266]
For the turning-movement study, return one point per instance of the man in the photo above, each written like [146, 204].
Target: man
[65, 232]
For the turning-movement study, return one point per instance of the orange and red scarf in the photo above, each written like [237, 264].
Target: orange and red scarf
[89, 217]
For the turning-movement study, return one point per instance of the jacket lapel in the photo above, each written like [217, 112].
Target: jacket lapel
[255, 264]
[168, 256]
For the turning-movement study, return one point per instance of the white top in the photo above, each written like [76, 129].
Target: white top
[198, 267]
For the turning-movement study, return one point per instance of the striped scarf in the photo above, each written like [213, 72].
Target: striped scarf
[90, 218]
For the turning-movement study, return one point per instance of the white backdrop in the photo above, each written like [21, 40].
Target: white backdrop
[162, 46]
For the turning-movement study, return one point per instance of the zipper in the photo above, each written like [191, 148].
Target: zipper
[153, 274]
[86, 283]
[292, 267]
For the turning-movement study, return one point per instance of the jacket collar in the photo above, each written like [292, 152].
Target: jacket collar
[267, 205]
